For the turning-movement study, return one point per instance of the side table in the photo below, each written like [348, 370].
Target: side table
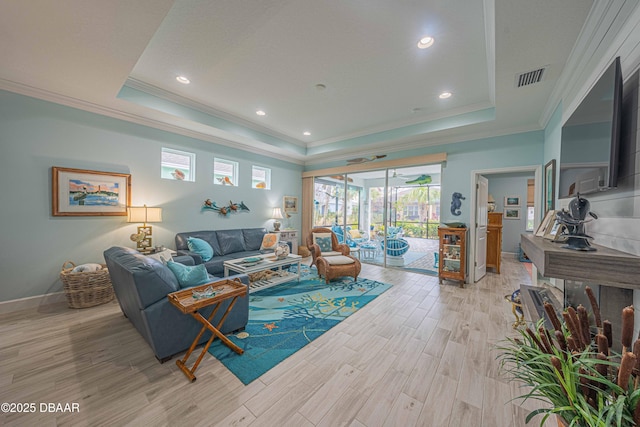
[187, 304]
[368, 250]
[354, 251]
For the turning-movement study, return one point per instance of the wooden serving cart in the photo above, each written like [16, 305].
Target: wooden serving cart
[185, 302]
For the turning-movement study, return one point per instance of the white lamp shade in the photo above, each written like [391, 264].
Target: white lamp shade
[277, 213]
[144, 214]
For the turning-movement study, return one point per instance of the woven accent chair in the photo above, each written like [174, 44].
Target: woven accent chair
[335, 260]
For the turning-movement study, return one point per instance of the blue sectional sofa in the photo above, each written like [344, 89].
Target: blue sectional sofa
[226, 244]
[141, 285]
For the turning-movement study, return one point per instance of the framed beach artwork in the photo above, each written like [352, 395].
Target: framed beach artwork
[510, 213]
[512, 202]
[290, 204]
[80, 192]
[549, 185]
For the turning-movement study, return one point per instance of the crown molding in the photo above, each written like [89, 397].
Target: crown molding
[406, 123]
[420, 141]
[185, 102]
[90, 107]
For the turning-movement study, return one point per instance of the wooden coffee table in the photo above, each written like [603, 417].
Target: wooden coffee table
[267, 262]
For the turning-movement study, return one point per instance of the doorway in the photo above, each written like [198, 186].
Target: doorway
[393, 208]
[536, 170]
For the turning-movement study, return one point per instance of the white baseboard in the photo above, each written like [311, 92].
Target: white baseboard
[31, 302]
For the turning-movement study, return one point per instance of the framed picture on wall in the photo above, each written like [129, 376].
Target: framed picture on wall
[510, 213]
[81, 192]
[290, 204]
[511, 201]
[549, 185]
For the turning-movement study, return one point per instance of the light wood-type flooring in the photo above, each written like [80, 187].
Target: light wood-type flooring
[418, 355]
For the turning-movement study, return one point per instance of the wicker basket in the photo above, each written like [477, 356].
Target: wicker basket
[86, 289]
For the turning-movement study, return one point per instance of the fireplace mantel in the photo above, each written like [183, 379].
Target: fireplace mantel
[605, 266]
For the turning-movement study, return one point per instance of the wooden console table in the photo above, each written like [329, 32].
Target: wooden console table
[186, 303]
[604, 266]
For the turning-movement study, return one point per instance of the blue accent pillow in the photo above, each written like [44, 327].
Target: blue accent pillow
[324, 242]
[189, 275]
[200, 247]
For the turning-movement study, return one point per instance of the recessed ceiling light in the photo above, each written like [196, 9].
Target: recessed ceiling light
[425, 42]
[183, 80]
[445, 95]
[261, 113]
[306, 133]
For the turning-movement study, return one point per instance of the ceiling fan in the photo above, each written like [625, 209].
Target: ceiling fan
[341, 178]
[358, 160]
[400, 174]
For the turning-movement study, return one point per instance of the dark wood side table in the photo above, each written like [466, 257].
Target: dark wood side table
[187, 304]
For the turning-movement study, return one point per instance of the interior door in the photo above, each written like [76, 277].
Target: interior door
[482, 192]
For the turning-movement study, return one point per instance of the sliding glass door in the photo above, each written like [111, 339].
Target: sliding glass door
[385, 216]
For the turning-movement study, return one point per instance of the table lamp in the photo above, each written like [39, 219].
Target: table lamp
[277, 215]
[144, 215]
[491, 203]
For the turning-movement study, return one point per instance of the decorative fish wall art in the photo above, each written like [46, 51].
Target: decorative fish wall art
[422, 179]
[208, 205]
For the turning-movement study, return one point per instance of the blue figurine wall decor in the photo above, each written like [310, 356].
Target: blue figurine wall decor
[208, 205]
[456, 203]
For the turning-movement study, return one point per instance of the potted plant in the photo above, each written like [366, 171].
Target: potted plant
[573, 369]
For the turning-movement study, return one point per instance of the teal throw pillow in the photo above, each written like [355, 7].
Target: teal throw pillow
[200, 247]
[189, 275]
[324, 243]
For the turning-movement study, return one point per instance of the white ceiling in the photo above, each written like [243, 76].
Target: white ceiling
[120, 58]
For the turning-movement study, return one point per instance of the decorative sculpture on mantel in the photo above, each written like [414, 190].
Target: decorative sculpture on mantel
[574, 220]
[208, 205]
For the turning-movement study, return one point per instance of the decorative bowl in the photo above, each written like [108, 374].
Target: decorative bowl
[282, 250]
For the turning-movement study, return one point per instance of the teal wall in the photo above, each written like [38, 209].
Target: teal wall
[524, 149]
[36, 135]
[504, 185]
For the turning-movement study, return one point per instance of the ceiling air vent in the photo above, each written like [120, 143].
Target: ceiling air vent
[530, 77]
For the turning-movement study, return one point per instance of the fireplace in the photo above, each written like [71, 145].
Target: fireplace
[610, 299]
[612, 274]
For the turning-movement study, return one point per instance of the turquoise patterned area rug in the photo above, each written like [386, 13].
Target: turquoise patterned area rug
[285, 318]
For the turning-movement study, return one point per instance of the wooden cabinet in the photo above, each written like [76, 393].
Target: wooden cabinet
[452, 263]
[494, 240]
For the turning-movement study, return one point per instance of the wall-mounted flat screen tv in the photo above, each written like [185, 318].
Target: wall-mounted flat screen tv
[591, 138]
